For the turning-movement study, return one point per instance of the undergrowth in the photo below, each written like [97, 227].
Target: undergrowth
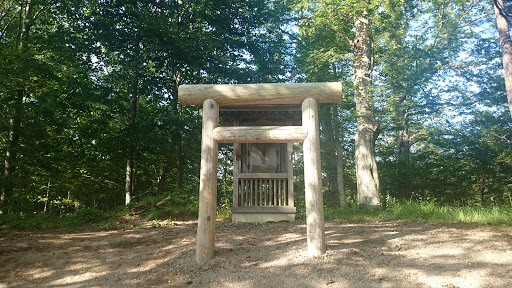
[427, 211]
[171, 212]
[41, 221]
[177, 209]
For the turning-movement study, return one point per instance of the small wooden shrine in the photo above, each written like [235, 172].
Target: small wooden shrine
[263, 169]
[262, 172]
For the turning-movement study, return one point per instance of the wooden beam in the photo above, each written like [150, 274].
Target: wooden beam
[260, 94]
[260, 134]
[268, 209]
[205, 245]
[263, 175]
[313, 180]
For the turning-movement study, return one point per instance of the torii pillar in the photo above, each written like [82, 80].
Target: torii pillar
[211, 96]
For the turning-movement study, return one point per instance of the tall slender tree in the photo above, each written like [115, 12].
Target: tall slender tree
[368, 184]
[343, 30]
[24, 13]
[502, 23]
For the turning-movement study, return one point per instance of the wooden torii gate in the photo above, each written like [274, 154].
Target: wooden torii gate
[211, 96]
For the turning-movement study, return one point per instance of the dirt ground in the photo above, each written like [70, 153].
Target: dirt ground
[359, 254]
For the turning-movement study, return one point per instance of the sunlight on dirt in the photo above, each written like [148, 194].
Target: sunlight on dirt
[359, 254]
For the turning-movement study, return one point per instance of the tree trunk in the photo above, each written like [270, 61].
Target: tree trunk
[340, 160]
[180, 158]
[179, 161]
[128, 188]
[16, 116]
[47, 194]
[12, 149]
[403, 153]
[162, 181]
[329, 154]
[481, 186]
[21, 179]
[130, 162]
[506, 47]
[367, 128]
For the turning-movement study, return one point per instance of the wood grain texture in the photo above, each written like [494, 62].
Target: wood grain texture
[313, 180]
[205, 245]
[260, 134]
[260, 94]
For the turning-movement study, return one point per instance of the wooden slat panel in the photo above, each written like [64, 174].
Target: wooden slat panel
[241, 192]
[279, 192]
[290, 200]
[275, 192]
[251, 193]
[263, 192]
[285, 197]
[247, 192]
[270, 189]
[236, 171]
[258, 209]
[260, 191]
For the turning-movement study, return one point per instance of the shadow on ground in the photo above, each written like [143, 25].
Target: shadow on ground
[359, 254]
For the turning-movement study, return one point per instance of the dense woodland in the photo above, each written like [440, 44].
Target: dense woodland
[90, 113]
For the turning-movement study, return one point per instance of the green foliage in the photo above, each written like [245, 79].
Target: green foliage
[224, 213]
[76, 220]
[90, 216]
[70, 86]
[352, 213]
[172, 213]
[425, 211]
[183, 198]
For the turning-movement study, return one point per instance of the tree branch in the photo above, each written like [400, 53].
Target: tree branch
[350, 42]
[104, 180]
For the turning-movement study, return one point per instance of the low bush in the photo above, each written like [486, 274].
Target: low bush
[171, 212]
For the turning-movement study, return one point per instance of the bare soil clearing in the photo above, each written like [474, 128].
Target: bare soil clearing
[359, 254]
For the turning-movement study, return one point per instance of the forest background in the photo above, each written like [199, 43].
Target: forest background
[90, 118]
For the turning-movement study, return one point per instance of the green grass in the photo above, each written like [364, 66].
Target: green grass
[172, 212]
[425, 211]
[224, 213]
[407, 210]
[40, 221]
[352, 213]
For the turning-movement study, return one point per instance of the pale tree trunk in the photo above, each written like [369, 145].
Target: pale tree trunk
[162, 180]
[17, 110]
[340, 160]
[21, 179]
[506, 47]
[367, 127]
[129, 187]
[47, 194]
[403, 152]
